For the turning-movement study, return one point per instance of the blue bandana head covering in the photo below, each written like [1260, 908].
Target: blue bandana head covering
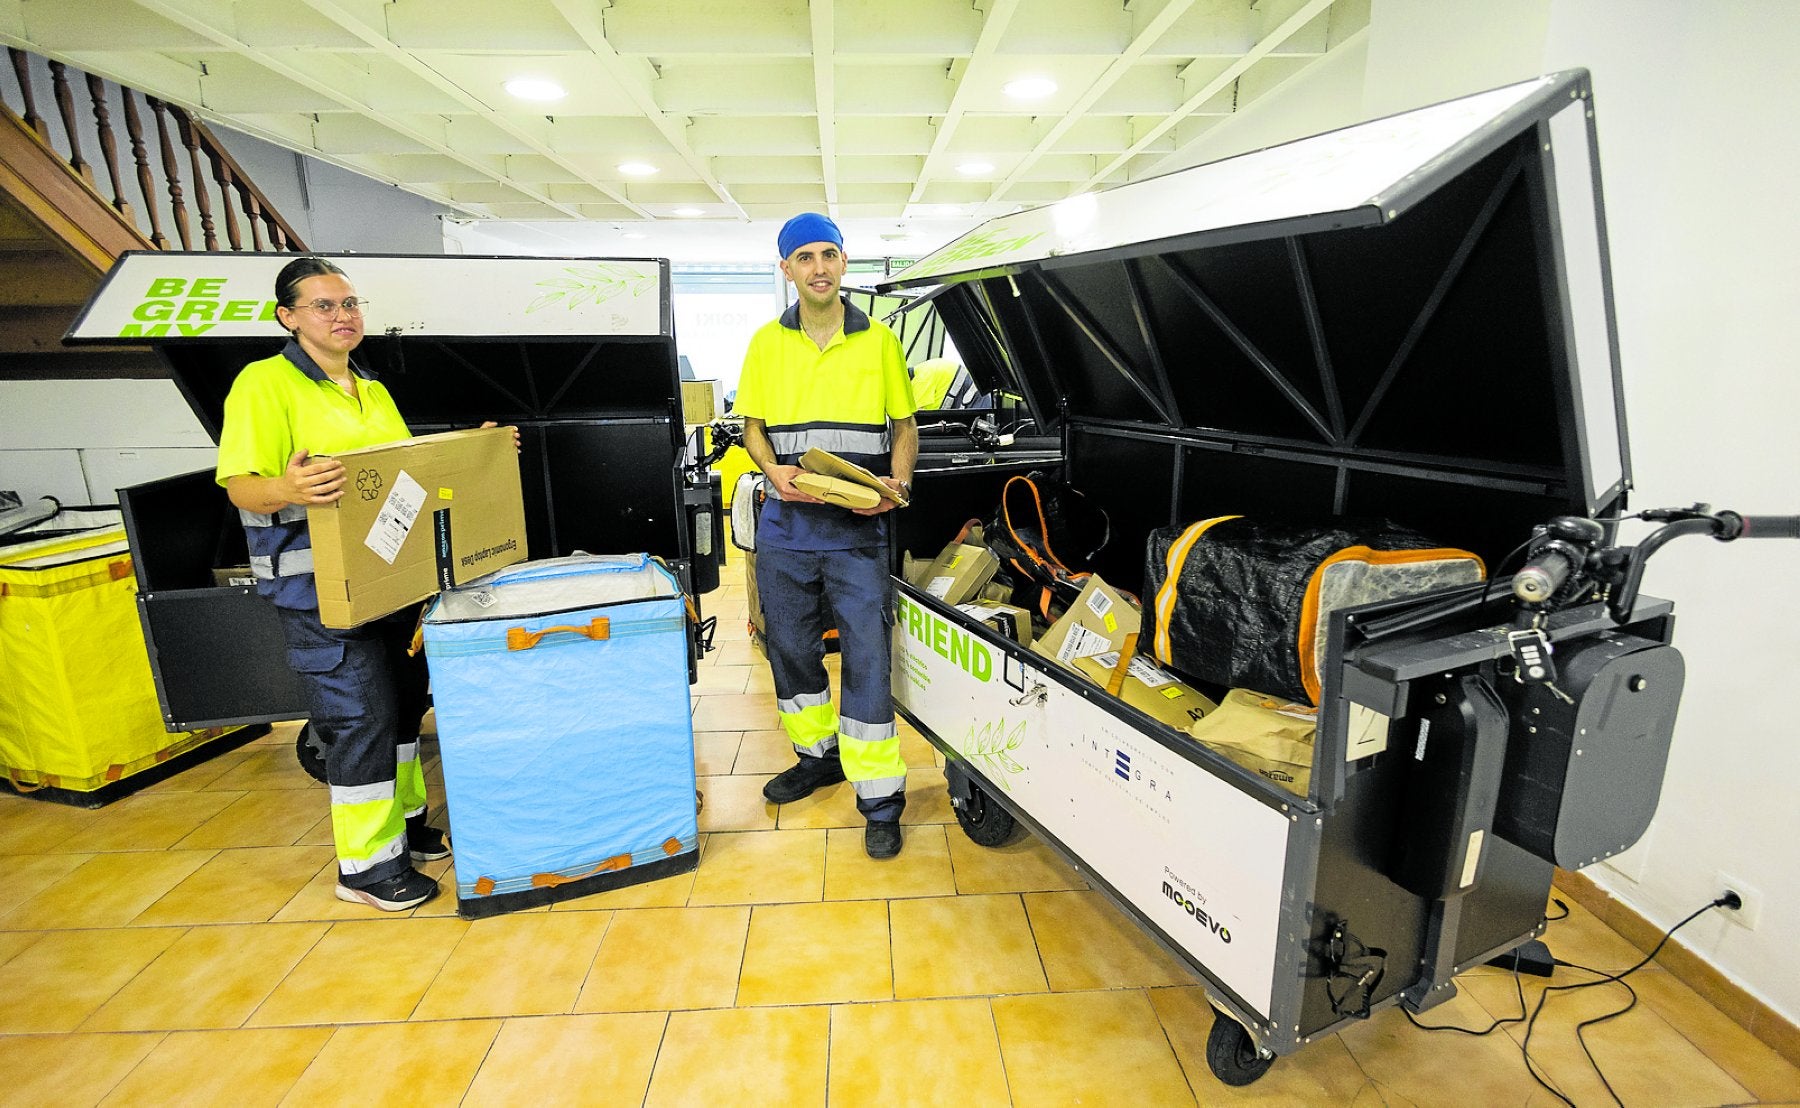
[808, 227]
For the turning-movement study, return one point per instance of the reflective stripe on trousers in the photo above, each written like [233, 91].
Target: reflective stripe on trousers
[365, 697]
[794, 586]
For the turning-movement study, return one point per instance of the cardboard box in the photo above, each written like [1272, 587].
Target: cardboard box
[417, 516]
[1268, 736]
[1100, 621]
[1150, 689]
[836, 490]
[1014, 623]
[225, 576]
[701, 402]
[827, 464]
[959, 572]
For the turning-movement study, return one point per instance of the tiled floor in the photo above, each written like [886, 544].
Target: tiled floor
[183, 947]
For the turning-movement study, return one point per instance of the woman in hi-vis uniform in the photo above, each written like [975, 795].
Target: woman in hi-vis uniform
[284, 417]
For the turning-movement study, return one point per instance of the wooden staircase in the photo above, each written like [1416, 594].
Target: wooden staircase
[59, 233]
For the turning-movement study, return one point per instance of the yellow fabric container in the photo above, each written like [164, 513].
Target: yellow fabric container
[78, 708]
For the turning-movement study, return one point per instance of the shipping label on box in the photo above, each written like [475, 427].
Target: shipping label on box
[416, 516]
[1149, 688]
[1100, 621]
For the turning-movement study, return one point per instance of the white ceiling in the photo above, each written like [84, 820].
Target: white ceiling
[881, 112]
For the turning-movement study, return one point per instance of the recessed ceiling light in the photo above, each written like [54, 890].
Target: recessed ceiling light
[972, 169]
[689, 212]
[535, 88]
[637, 169]
[1029, 88]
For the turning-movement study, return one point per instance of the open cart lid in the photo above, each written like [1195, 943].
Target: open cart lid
[1427, 290]
[457, 339]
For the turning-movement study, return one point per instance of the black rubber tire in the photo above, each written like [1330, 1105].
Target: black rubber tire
[1231, 1053]
[984, 821]
[310, 753]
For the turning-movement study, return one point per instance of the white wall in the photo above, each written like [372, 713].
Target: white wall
[80, 440]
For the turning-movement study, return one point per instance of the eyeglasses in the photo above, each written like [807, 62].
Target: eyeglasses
[326, 309]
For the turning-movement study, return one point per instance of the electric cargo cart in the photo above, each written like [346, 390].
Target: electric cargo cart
[1410, 319]
[578, 353]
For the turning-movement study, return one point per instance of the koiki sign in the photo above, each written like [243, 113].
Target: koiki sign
[163, 296]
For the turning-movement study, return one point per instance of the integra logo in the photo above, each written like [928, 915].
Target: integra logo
[1199, 913]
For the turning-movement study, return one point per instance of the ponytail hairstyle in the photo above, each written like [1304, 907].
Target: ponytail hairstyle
[287, 282]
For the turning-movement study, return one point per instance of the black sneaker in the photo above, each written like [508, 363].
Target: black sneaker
[396, 894]
[800, 779]
[881, 838]
[427, 844]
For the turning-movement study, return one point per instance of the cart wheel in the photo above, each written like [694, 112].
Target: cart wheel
[311, 752]
[983, 820]
[1231, 1053]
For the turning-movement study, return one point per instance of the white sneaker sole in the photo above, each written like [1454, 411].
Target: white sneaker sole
[362, 896]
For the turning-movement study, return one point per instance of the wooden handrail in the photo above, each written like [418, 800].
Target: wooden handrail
[237, 193]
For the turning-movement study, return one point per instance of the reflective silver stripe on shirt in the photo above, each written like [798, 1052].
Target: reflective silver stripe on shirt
[293, 564]
[880, 788]
[362, 794]
[838, 440]
[262, 568]
[389, 850]
[794, 705]
[866, 732]
[290, 514]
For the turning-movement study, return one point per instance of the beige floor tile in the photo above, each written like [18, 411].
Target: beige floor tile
[761, 867]
[1024, 865]
[917, 750]
[1321, 1072]
[148, 822]
[762, 680]
[1750, 1062]
[211, 977]
[922, 869]
[38, 826]
[766, 752]
[963, 946]
[1087, 1048]
[26, 875]
[268, 768]
[525, 965]
[715, 751]
[734, 712]
[658, 959]
[317, 899]
[714, 679]
[831, 952]
[12, 942]
[961, 1065]
[927, 797]
[831, 806]
[363, 972]
[60, 980]
[1646, 1060]
[108, 890]
[735, 804]
[68, 1071]
[200, 776]
[250, 1067]
[415, 1063]
[268, 817]
[239, 886]
[734, 651]
[1086, 943]
[1414, 1063]
[1583, 939]
[735, 1056]
[550, 1059]
[319, 834]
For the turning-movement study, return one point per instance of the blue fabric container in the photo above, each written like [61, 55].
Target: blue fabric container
[565, 728]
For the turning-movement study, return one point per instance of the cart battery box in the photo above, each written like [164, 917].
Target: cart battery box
[1149, 688]
[417, 516]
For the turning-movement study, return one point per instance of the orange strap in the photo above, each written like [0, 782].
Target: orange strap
[552, 880]
[1115, 684]
[598, 629]
[1052, 563]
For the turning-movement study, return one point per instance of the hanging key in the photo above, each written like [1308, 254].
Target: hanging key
[1532, 661]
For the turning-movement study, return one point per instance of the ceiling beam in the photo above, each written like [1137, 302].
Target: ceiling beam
[824, 59]
[178, 14]
[630, 75]
[1139, 45]
[993, 29]
[1286, 30]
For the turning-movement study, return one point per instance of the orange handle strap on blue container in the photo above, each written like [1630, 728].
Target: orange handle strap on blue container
[598, 629]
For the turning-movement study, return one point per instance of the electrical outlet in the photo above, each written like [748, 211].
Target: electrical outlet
[1751, 912]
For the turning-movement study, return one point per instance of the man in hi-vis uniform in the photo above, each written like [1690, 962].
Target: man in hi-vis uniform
[826, 375]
